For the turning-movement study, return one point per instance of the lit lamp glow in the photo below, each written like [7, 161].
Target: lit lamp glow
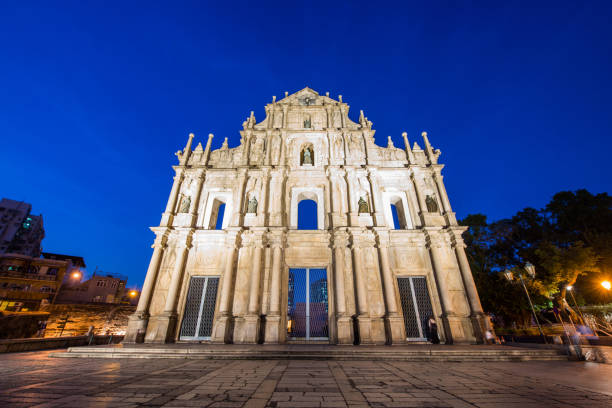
[76, 275]
[133, 293]
[606, 284]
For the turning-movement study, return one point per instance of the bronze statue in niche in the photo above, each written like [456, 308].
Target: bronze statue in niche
[252, 206]
[363, 205]
[185, 204]
[432, 204]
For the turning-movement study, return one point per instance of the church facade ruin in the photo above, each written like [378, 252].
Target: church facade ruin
[234, 262]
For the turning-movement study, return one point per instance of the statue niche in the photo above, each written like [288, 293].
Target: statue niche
[252, 206]
[185, 204]
[307, 156]
[363, 206]
[307, 122]
[432, 204]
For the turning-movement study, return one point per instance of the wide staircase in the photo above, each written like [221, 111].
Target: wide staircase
[417, 352]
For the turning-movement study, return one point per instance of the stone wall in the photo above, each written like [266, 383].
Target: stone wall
[104, 317]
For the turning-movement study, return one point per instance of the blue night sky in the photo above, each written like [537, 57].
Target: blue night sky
[95, 100]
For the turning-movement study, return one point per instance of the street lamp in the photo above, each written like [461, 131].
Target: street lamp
[530, 269]
[606, 284]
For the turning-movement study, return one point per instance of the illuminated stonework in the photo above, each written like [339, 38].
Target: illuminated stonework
[375, 281]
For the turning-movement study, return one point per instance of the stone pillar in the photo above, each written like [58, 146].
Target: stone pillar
[196, 199]
[137, 323]
[361, 300]
[273, 319]
[222, 324]
[448, 212]
[480, 321]
[252, 320]
[276, 191]
[352, 198]
[457, 326]
[393, 321]
[419, 194]
[236, 219]
[343, 320]
[171, 205]
[165, 324]
[379, 212]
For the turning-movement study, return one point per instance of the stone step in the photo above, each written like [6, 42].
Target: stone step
[415, 353]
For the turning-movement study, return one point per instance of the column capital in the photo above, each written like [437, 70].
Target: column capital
[435, 238]
[340, 239]
[383, 238]
[254, 239]
[362, 238]
[277, 238]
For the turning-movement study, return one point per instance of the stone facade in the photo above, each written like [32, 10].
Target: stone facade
[307, 148]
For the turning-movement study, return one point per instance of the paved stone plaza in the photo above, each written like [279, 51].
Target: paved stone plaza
[37, 380]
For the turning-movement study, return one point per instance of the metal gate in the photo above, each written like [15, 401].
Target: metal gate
[416, 306]
[199, 308]
[307, 314]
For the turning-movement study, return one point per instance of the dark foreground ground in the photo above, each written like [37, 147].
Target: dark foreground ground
[37, 380]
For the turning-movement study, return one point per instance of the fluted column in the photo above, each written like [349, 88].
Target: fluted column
[137, 323]
[480, 321]
[273, 319]
[420, 197]
[396, 331]
[222, 322]
[171, 205]
[177, 274]
[343, 320]
[379, 216]
[196, 198]
[248, 330]
[443, 195]
[458, 328]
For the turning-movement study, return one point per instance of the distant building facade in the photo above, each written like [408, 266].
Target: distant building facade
[21, 232]
[27, 283]
[101, 288]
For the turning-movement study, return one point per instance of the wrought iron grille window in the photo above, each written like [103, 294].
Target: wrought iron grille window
[199, 308]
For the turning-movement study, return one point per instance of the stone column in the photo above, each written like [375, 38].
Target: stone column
[361, 301]
[238, 198]
[196, 199]
[276, 191]
[222, 324]
[273, 319]
[379, 215]
[480, 321]
[352, 198]
[448, 212]
[263, 210]
[393, 321]
[456, 329]
[419, 194]
[138, 321]
[343, 320]
[171, 205]
[165, 324]
[252, 320]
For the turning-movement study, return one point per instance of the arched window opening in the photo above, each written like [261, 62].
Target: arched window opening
[307, 215]
[217, 215]
[394, 214]
[220, 215]
[398, 215]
